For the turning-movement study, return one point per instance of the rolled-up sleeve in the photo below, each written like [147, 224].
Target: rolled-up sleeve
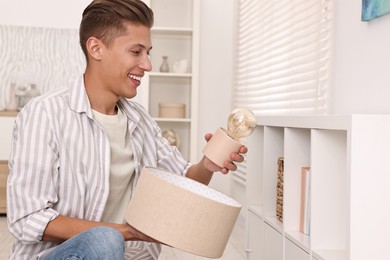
[33, 178]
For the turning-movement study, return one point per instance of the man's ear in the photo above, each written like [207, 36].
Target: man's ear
[95, 48]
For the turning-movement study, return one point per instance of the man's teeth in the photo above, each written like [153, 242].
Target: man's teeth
[135, 77]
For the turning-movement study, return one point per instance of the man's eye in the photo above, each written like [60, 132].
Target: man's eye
[136, 52]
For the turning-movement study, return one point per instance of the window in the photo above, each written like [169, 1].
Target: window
[283, 63]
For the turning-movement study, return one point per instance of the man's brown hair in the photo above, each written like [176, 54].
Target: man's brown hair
[105, 19]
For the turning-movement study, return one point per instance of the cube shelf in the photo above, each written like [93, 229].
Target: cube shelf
[349, 187]
[175, 34]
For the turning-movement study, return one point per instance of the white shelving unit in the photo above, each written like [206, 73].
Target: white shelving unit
[350, 187]
[176, 35]
[7, 119]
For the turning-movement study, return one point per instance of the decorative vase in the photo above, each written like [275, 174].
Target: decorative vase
[164, 65]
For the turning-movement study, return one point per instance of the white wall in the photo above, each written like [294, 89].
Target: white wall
[42, 13]
[361, 81]
[216, 73]
[362, 62]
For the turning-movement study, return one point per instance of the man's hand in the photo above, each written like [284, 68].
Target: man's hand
[130, 233]
[203, 171]
[63, 228]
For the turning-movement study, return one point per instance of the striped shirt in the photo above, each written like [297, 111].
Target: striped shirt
[60, 162]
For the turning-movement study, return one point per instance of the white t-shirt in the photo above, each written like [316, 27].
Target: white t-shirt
[121, 166]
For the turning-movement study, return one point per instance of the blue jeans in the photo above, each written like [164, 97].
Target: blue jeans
[99, 243]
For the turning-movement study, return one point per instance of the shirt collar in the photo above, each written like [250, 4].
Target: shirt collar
[79, 101]
[129, 109]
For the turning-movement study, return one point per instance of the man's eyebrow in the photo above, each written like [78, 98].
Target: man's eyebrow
[142, 46]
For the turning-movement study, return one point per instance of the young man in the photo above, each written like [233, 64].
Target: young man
[78, 151]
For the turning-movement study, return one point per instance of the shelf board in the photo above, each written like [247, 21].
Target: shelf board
[170, 74]
[273, 222]
[9, 113]
[177, 120]
[333, 122]
[329, 254]
[300, 239]
[171, 30]
[257, 210]
[337, 122]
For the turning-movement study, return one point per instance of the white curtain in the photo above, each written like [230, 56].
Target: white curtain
[283, 62]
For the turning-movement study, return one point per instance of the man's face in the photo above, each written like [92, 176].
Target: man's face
[125, 61]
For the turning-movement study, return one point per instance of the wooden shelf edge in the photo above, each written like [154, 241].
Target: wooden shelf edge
[9, 113]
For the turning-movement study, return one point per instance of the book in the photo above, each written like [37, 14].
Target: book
[304, 226]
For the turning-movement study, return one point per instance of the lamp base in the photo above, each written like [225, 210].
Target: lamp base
[219, 148]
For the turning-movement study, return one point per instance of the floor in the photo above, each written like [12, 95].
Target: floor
[235, 249]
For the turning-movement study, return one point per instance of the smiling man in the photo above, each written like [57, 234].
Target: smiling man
[78, 151]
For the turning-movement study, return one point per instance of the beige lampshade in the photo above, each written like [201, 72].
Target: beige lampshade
[182, 213]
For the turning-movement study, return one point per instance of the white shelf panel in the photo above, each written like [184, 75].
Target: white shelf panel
[300, 239]
[257, 210]
[170, 75]
[329, 185]
[172, 30]
[297, 142]
[174, 120]
[331, 122]
[173, 13]
[329, 255]
[273, 243]
[6, 127]
[311, 122]
[255, 237]
[293, 251]
[274, 143]
[273, 222]
[254, 166]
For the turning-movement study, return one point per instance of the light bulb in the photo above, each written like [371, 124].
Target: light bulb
[241, 123]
